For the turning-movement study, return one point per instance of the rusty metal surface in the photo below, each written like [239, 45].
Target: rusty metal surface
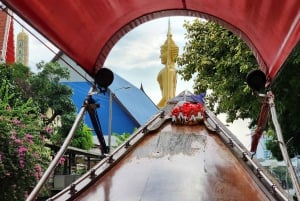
[177, 163]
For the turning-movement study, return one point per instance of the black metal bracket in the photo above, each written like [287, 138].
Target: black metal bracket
[91, 107]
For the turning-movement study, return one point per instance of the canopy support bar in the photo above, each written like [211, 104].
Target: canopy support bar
[282, 145]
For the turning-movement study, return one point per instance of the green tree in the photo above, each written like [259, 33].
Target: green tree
[219, 61]
[121, 138]
[25, 97]
[23, 155]
[83, 137]
[16, 76]
[286, 88]
[48, 92]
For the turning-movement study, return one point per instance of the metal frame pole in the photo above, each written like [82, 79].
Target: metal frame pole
[32, 196]
[111, 94]
[282, 145]
[110, 121]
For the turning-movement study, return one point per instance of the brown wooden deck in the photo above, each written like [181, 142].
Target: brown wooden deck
[184, 163]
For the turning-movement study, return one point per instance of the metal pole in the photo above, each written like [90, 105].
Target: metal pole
[32, 196]
[109, 120]
[111, 94]
[282, 146]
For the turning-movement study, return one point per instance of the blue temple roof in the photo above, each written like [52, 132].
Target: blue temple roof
[131, 107]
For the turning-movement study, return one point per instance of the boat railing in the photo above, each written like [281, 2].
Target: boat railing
[235, 144]
[109, 159]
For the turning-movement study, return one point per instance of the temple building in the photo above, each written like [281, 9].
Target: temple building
[167, 77]
[130, 106]
[8, 54]
[22, 48]
[7, 47]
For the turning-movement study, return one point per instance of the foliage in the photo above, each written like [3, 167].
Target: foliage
[281, 173]
[287, 93]
[14, 75]
[83, 137]
[49, 93]
[23, 155]
[24, 127]
[121, 138]
[14, 71]
[219, 61]
[44, 87]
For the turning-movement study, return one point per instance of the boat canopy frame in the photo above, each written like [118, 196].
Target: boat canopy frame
[86, 32]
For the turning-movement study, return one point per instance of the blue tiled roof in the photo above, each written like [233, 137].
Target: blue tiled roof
[136, 102]
[131, 107]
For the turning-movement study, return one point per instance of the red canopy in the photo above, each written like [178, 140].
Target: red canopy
[87, 30]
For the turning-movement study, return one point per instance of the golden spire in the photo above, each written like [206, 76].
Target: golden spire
[22, 48]
[169, 29]
[167, 77]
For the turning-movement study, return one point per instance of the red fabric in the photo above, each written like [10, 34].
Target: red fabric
[10, 52]
[87, 30]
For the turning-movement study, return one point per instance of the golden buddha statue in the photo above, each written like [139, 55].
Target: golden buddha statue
[167, 77]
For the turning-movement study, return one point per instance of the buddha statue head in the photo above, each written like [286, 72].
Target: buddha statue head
[169, 50]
